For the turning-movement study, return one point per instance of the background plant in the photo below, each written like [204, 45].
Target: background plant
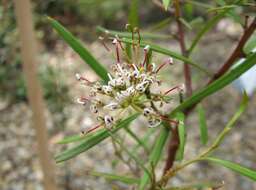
[217, 80]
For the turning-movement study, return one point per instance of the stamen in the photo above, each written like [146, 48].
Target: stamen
[92, 129]
[135, 67]
[119, 42]
[146, 49]
[169, 61]
[110, 77]
[103, 43]
[174, 88]
[79, 78]
[137, 30]
[82, 100]
[115, 42]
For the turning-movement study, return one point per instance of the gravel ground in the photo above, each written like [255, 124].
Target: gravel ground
[19, 168]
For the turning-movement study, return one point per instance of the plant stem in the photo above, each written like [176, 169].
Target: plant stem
[202, 156]
[187, 71]
[237, 53]
[174, 141]
[172, 149]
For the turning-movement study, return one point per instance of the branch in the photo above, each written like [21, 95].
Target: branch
[237, 53]
[187, 72]
[174, 141]
[172, 149]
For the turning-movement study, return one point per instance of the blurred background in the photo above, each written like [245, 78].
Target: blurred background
[20, 168]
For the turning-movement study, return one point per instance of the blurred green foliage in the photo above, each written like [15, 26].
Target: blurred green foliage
[12, 84]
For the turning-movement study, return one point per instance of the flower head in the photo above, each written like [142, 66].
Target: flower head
[128, 88]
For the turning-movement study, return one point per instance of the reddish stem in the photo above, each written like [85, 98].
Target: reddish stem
[172, 148]
[174, 141]
[168, 91]
[237, 53]
[92, 129]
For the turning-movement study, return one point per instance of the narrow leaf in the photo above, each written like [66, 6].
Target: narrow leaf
[92, 141]
[250, 45]
[137, 139]
[182, 136]
[202, 125]
[129, 153]
[199, 4]
[113, 177]
[133, 17]
[185, 23]
[76, 138]
[209, 24]
[216, 85]
[160, 25]
[145, 138]
[166, 3]
[77, 46]
[247, 172]
[144, 35]
[155, 155]
[231, 122]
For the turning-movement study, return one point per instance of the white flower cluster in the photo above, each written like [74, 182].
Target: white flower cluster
[129, 86]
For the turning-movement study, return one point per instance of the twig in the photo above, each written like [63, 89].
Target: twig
[174, 141]
[237, 53]
[219, 139]
[172, 149]
[187, 72]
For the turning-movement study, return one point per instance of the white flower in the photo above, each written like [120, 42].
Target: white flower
[142, 86]
[153, 122]
[119, 82]
[107, 89]
[80, 101]
[112, 106]
[94, 108]
[78, 76]
[130, 90]
[109, 121]
[148, 111]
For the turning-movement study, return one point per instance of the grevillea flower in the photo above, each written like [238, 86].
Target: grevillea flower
[128, 89]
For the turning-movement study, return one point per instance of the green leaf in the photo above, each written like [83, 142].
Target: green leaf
[137, 139]
[210, 24]
[128, 51]
[91, 141]
[202, 124]
[166, 4]
[145, 138]
[133, 17]
[76, 138]
[144, 35]
[113, 177]
[185, 23]
[247, 172]
[155, 154]
[206, 27]
[222, 8]
[199, 4]
[137, 160]
[182, 136]
[160, 25]
[216, 85]
[231, 122]
[77, 46]
[250, 45]
[165, 51]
